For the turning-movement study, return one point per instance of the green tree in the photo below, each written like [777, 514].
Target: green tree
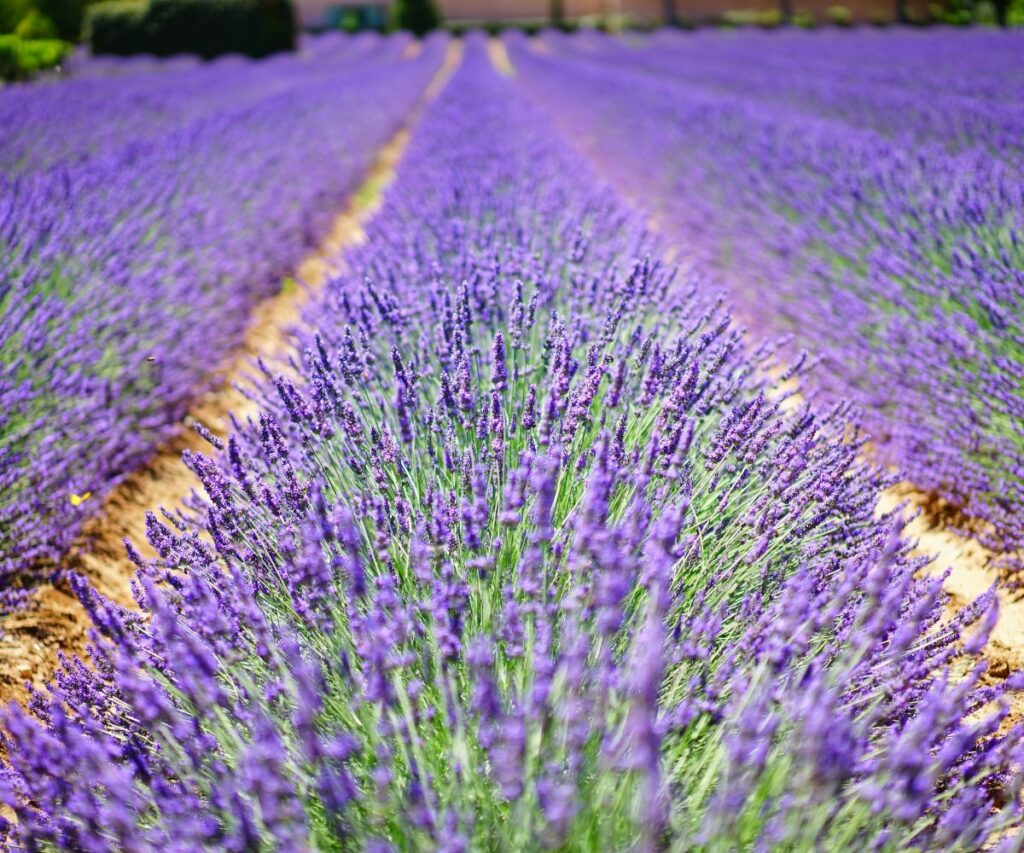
[12, 12]
[66, 16]
[417, 16]
[35, 25]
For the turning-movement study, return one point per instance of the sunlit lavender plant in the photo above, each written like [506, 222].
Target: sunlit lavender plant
[142, 216]
[862, 195]
[523, 552]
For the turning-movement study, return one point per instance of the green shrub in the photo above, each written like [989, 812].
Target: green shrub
[984, 13]
[214, 27]
[805, 21]
[21, 58]
[839, 16]
[765, 18]
[117, 28]
[12, 13]
[35, 25]
[417, 16]
[641, 25]
[67, 16]
[42, 19]
[208, 28]
[960, 13]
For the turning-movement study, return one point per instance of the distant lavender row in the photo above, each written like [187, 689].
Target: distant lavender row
[878, 222]
[872, 80]
[141, 217]
[154, 97]
[529, 555]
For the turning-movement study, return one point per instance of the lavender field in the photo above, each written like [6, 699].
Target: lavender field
[556, 524]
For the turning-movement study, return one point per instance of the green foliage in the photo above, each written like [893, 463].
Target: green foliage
[12, 12]
[984, 13]
[116, 28]
[21, 58]
[839, 16]
[208, 28]
[417, 16]
[42, 19]
[805, 21]
[640, 25]
[35, 25]
[349, 21]
[214, 27]
[67, 16]
[956, 13]
[767, 19]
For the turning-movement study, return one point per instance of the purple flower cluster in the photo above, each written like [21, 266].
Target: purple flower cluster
[861, 193]
[523, 551]
[142, 215]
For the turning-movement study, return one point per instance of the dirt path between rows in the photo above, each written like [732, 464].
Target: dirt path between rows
[56, 622]
[972, 567]
[973, 572]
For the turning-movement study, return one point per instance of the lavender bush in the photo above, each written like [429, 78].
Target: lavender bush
[871, 210]
[523, 551]
[142, 215]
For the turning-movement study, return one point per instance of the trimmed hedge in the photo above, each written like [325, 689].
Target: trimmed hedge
[116, 28]
[208, 28]
[21, 58]
[417, 16]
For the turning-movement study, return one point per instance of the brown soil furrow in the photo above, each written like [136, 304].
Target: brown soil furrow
[499, 57]
[972, 573]
[55, 621]
[972, 567]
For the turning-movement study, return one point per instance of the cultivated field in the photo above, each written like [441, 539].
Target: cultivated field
[581, 442]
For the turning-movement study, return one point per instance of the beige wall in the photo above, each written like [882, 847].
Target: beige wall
[510, 10]
[493, 10]
[650, 10]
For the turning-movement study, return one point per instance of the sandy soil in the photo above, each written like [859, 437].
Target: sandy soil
[56, 621]
[499, 57]
[972, 566]
[31, 640]
[972, 574]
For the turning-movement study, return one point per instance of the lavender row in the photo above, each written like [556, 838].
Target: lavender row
[131, 260]
[113, 104]
[523, 552]
[895, 257]
[949, 89]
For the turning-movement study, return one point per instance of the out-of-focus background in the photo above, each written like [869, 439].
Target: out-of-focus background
[42, 35]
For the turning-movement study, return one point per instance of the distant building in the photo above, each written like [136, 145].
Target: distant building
[331, 13]
[488, 11]
[318, 14]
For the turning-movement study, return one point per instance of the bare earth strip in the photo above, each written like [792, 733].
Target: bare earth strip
[973, 572]
[499, 57]
[972, 568]
[56, 621]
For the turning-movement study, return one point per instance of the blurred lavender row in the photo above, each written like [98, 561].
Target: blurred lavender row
[862, 194]
[142, 215]
[525, 552]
